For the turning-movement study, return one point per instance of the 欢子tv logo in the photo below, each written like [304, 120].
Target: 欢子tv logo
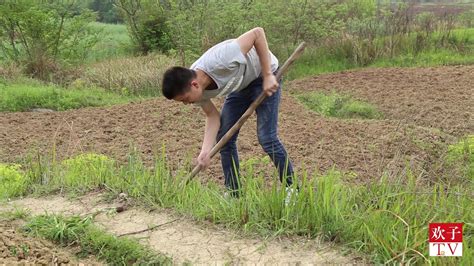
[445, 239]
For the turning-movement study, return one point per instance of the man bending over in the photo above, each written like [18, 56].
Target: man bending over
[239, 69]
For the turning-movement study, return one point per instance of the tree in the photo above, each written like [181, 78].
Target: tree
[42, 35]
[106, 11]
[146, 23]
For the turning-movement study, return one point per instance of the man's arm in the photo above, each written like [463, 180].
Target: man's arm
[210, 133]
[256, 37]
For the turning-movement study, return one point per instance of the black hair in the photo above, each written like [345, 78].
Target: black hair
[176, 81]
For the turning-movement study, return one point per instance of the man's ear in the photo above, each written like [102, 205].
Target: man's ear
[194, 83]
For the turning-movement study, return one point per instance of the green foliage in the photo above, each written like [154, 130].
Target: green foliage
[146, 24]
[45, 35]
[57, 228]
[426, 58]
[463, 153]
[106, 12]
[335, 105]
[86, 171]
[19, 97]
[15, 214]
[354, 33]
[186, 29]
[317, 60]
[386, 220]
[12, 181]
[80, 231]
[114, 42]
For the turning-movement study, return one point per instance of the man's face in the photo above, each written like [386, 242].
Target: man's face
[193, 95]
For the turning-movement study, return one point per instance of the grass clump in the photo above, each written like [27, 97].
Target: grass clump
[339, 106]
[85, 171]
[25, 97]
[80, 231]
[462, 153]
[15, 214]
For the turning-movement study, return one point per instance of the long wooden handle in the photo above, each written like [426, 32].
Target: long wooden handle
[298, 51]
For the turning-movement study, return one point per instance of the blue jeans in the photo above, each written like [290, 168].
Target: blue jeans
[235, 105]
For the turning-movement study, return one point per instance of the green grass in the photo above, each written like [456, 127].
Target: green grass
[339, 106]
[114, 42]
[16, 214]
[463, 153]
[24, 97]
[75, 230]
[316, 61]
[388, 221]
[427, 59]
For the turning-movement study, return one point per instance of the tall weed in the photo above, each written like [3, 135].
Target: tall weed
[134, 75]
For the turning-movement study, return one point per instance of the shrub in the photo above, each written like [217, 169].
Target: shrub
[12, 181]
[10, 71]
[147, 26]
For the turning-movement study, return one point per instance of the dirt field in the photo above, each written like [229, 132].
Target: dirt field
[424, 109]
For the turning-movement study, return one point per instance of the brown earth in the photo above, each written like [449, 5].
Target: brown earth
[18, 248]
[424, 109]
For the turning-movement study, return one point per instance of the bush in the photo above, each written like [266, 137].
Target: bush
[147, 26]
[45, 36]
[10, 71]
[12, 181]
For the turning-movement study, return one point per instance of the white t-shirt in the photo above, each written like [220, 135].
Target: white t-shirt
[229, 68]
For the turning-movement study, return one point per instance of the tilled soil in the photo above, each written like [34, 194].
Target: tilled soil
[424, 109]
[438, 97]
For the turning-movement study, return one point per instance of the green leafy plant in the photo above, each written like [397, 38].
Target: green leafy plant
[12, 181]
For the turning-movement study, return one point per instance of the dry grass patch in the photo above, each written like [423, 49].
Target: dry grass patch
[133, 75]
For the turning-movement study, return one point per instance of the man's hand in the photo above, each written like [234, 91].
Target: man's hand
[270, 85]
[204, 160]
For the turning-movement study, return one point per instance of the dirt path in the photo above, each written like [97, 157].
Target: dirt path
[188, 241]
